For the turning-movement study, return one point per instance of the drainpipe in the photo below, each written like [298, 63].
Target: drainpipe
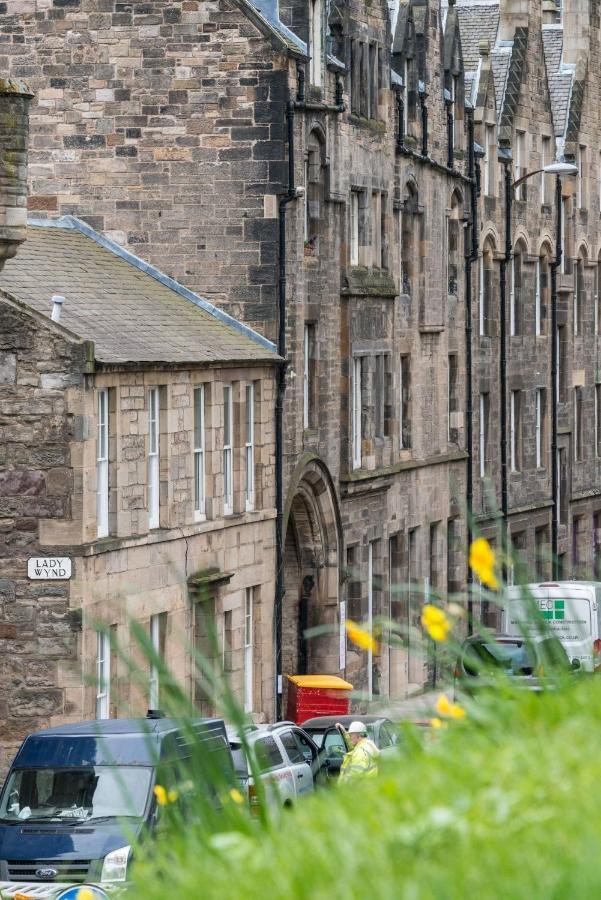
[422, 100]
[503, 354]
[470, 254]
[400, 112]
[554, 373]
[279, 412]
[450, 128]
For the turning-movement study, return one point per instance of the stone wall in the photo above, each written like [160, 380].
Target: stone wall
[161, 125]
[37, 633]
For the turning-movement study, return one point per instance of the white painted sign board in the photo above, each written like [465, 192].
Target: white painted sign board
[49, 568]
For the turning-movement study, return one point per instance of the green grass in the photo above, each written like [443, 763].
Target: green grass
[506, 804]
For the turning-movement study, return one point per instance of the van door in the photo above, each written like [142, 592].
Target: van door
[571, 613]
[516, 613]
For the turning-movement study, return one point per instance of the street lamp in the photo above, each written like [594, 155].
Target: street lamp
[558, 169]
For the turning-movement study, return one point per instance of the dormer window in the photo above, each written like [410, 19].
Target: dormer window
[316, 43]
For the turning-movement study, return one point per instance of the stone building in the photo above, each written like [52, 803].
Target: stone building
[309, 167]
[138, 444]
[530, 74]
[170, 130]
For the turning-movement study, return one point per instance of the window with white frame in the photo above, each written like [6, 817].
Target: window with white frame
[199, 453]
[153, 458]
[357, 389]
[370, 615]
[309, 375]
[316, 43]
[579, 296]
[249, 447]
[158, 625]
[483, 433]
[405, 95]
[354, 229]
[103, 675]
[519, 164]
[563, 231]
[228, 450]
[537, 297]
[515, 431]
[490, 153]
[578, 423]
[545, 159]
[102, 464]
[249, 597]
[376, 230]
[405, 402]
[481, 310]
[581, 186]
[541, 426]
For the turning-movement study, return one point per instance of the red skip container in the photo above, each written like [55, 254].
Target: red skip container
[317, 695]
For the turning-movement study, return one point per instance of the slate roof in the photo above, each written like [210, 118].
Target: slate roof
[500, 60]
[132, 312]
[267, 12]
[558, 78]
[479, 21]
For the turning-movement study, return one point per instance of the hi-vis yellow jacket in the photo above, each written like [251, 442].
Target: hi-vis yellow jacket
[360, 762]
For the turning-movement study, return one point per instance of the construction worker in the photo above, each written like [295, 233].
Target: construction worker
[361, 760]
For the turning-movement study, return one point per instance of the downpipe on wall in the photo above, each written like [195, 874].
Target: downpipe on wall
[288, 197]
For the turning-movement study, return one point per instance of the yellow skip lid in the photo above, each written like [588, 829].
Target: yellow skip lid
[330, 682]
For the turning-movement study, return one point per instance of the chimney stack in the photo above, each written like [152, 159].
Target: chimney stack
[14, 127]
[57, 307]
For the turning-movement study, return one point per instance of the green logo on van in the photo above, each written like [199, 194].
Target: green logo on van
[558, 611]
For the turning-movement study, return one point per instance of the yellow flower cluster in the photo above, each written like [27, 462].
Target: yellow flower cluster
[359, 636]
[435, 622]
[482, 563]
[449, 710]
[164, 797]
[236, 796]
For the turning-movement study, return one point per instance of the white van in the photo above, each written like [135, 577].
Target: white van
[570, 609]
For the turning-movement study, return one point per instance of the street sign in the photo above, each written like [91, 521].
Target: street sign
[49, 568]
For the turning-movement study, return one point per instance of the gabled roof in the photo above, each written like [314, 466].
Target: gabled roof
[132, 312]
[559, 77]
[479, 21]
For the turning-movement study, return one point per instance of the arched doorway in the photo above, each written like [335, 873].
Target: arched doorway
[311, 576]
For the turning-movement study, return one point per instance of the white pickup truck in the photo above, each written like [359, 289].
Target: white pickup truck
[288, 759]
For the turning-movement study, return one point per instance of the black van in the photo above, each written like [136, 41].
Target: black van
[78, 796]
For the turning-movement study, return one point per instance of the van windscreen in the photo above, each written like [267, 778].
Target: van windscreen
[75, 795]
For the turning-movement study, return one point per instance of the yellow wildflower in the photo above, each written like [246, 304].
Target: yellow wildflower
[161, 794]
[173, 796]
[482, 563]
[236, 796]
[85, 893]
[444, 707]
[360, 636]
[435, 622]
[437, 723]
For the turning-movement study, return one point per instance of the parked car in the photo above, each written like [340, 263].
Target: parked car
[76, 795]
[571, 611]
[483, 658]
[328, 739]
[287, 758]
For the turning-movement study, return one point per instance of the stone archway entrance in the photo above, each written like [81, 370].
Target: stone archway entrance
[312, 577]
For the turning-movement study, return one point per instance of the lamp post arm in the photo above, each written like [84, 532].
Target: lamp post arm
[525, 177]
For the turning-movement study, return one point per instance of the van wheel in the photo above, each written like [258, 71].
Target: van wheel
[288, 804]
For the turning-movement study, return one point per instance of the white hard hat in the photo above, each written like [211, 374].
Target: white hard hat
[357, 728]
